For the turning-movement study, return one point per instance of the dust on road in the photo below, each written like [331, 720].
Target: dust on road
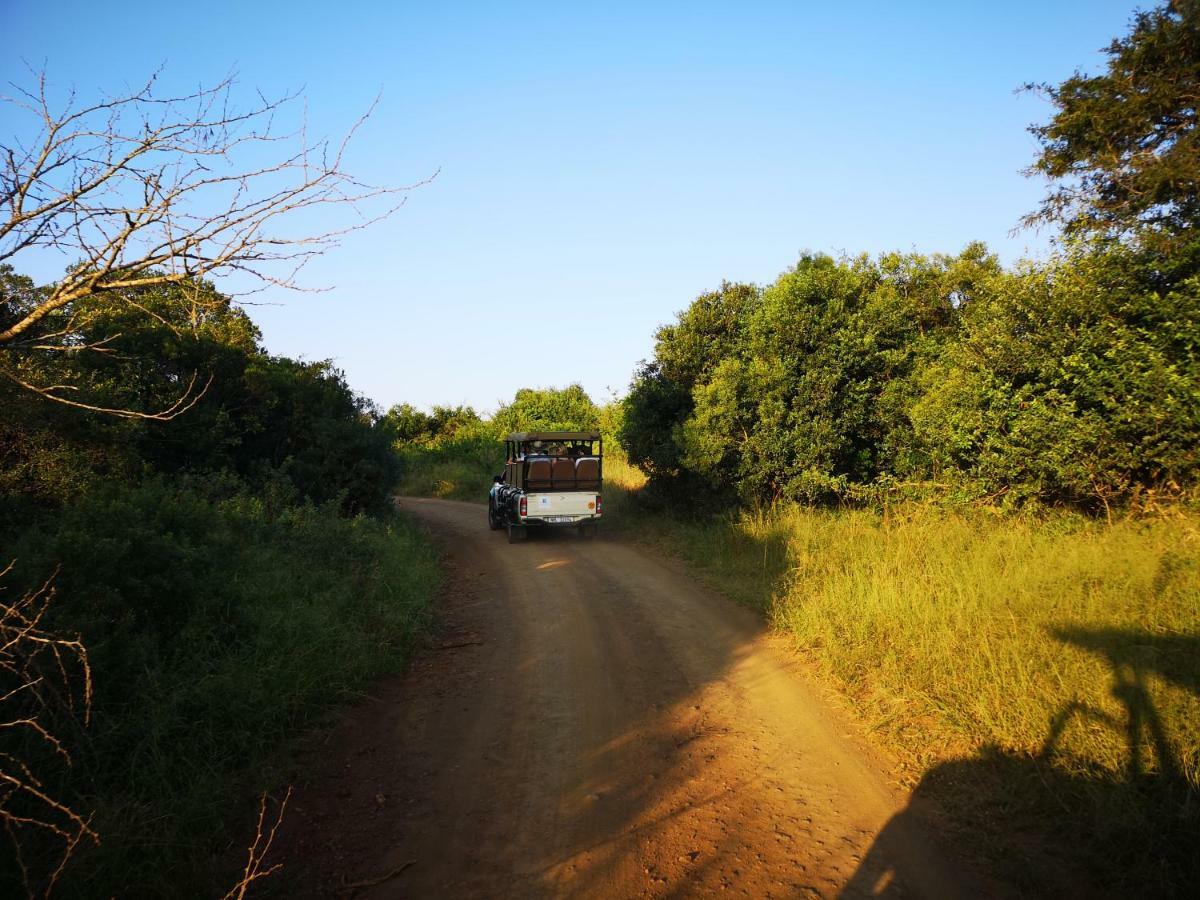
[591, 722]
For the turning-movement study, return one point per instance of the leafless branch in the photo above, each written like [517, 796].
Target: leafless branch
[141, 190]
[256, 855]
[189, 398]
[29, 655]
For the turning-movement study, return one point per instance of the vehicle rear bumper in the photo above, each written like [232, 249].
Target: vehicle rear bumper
[559, 521]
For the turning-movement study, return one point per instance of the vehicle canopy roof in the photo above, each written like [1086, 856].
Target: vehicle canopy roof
[523, 436]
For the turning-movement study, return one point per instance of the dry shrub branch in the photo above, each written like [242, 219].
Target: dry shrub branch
[42, 675]
[256, 855]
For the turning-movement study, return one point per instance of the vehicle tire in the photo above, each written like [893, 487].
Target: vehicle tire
[494, 522]
[588, 531]
[516, 533]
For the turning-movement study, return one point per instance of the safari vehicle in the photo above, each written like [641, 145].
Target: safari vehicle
[552, 479]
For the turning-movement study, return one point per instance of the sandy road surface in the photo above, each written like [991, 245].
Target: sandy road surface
[591, 722]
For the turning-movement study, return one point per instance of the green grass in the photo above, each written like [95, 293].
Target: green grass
[463, 470]
[1040, 676]
[457, 470]
[219, 629]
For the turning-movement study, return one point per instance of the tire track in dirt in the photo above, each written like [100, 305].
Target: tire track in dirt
[598, 725]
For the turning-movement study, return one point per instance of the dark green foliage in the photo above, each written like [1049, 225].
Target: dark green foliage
[302, 421]
[1124, 146]
[218, 622]
[261, 416]
[218, 565]
[405, 424]
[1078, 381]
[655, 409]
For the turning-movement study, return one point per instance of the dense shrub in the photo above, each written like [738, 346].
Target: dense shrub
[1075, 381]
[218, 622]
[231, 570]
[260, 416]
[547, 409]
[800, 390]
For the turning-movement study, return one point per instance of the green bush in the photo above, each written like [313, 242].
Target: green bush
[459, 469]
[1072, 381]
[218, 623]
[1076, 381]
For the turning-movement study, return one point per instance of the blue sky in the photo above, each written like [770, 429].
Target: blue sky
[600, 165]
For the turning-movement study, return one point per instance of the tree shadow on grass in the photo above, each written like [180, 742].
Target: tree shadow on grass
[1057, 825]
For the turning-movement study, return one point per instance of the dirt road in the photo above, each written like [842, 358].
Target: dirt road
[591, 722]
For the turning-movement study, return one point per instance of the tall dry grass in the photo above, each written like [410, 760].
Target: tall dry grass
[1040, 675]
[982, 630]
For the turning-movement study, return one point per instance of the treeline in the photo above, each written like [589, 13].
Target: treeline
[454, 451]
[530, 409]
[215, 524]
[1071, 381]
[264, 419]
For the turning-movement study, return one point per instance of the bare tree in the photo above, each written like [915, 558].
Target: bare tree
[139, 190]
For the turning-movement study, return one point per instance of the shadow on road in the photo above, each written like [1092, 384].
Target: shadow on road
[1055, 825]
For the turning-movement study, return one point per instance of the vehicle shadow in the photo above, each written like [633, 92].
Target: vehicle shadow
[1054, 824]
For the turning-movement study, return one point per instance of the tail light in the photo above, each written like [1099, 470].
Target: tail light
[524, 507]
[598, 504]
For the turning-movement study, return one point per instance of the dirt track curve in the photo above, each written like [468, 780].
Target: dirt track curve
[591, 722]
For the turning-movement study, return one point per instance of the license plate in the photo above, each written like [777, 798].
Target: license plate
[559, 520]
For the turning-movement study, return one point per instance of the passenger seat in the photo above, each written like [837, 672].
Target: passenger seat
[587, 473]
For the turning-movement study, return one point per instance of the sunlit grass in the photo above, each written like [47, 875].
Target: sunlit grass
[463, 470]
[458, 470]
[621, 482]
[953, 633]
[1057, 658]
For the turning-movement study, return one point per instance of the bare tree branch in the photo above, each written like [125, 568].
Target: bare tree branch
[264, 837]
[28, 652]
[189, 398]
[140, 190]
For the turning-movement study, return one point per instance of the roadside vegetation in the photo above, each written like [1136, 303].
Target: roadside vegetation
[199, 550]
[968, 492]
[1037, 675]
[453, 452]
[232, 572]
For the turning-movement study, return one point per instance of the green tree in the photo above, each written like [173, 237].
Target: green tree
[686, 353]
[1122, 148]
[440, 424]
[1074, 381]
[132, 349]
[262, 417]
[800, 390]
[568, 408]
